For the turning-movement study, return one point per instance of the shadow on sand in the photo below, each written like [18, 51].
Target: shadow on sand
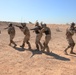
[56, 56]
[73, 55]
[19, 48]
[34, 52]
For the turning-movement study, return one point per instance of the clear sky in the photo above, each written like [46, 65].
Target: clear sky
[48, 11]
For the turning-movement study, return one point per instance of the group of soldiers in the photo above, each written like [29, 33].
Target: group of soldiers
[39, 29]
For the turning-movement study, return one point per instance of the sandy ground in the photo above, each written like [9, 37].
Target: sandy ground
[16, 61]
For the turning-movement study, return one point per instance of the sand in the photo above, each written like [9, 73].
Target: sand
[17, 61]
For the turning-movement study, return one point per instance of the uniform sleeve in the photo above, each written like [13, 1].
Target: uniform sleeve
[42, 30]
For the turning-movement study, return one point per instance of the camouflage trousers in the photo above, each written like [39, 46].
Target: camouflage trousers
[47, 39]
[11, 39]
[71, 45]
[37, 42]
[70, 42]
[26, 40]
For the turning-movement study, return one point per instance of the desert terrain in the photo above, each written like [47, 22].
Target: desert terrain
[17, 61]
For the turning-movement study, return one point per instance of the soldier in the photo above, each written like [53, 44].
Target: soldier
[37, 30]
[47, 32]
[26, 32]
[11, 32]
[69, 33]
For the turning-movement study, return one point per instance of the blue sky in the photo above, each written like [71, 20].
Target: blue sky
[48, 11]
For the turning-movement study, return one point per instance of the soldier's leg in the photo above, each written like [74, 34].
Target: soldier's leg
[23, 44]
[37, 46]
[70, 41]
[72, 47]
[44, 47]
[11, 41]
[26, 39]
[47, 39]
[47, 47]
[29, 44]
[36, 42]
[67, 49]
[40, 45]
[12, 37]
[14, 43]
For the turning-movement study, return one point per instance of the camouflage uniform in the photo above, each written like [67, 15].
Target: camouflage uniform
[37, 30]
[47, 32]
[38, 38]
[11, 32]
[26, 32]
[69, 33]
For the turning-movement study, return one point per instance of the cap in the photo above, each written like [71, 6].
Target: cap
[72, 24]
[10, 24]
[23, 24]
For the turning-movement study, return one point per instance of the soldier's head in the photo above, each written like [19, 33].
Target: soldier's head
[23, 24]
[72, 24]
[10, 25]
[44, 25]
[72, 27]
[37, 23]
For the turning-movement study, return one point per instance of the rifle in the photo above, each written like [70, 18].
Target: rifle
[36, 28]
[19, 26]
[23, 24]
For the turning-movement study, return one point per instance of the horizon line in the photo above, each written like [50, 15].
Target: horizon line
[30, 21]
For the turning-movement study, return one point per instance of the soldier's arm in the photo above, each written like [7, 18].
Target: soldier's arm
[42, 30]
[19, 26]
[67, 32]
[34, 28]
[6, 28]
